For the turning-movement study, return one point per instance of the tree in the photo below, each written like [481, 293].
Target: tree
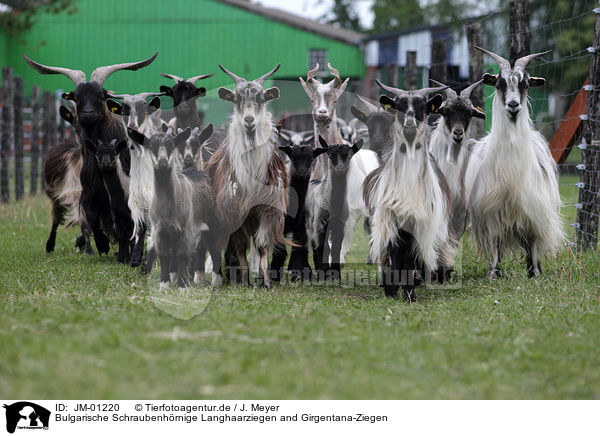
[343, 14]
[19, 16]
[391, 15]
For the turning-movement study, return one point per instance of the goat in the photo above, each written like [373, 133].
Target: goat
[138, 114]
[62, 166]
[180, 206]
[329, 208]
[193, 151]
[184, 94]
[408, 198]
[323, 99]
[97, 124]
[249, 178]
[512, 178]
[298, 147]
[117, 185]
[379, 125]
[450, 146]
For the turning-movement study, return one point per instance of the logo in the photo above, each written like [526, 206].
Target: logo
[26, 415]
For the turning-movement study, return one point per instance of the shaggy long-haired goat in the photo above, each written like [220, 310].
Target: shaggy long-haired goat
[450, 146]
[409, 199]
[511, 177]
[249, 178]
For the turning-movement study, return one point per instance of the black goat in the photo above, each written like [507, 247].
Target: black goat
[98, 124]
[302, 155]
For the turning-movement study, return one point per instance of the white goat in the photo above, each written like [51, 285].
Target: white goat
[409, 199]
[512, 178]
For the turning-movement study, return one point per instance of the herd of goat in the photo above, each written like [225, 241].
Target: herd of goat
[189, 189]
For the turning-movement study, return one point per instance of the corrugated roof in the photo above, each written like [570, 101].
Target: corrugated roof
[325, 30]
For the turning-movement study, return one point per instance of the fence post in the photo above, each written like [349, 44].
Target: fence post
[6, 134]
[18, 135]
[520, 36]
[589, 193]
[35, 140]
[476, 67]
[46, 135]
[438, 61]
[410, 72]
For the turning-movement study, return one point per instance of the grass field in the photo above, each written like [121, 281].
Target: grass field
[84, 327]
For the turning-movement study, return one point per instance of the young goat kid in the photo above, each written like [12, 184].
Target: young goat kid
[329, 210]
[512, 178]
[409, 199]
[180, 207]
[298, 147]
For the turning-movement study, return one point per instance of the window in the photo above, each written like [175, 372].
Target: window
[317, 55]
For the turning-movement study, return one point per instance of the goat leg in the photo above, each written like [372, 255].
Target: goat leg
[493, 269]
[391, 271]
[279, 256]
[137, 251]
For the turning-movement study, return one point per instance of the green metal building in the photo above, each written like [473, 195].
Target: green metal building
[192, 37]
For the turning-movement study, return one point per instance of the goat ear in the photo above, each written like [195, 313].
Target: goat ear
[68, 95]
[164, 127]
[357, 146]
[490, 79]
[286, 149]
[359, 114]
[226, 94]
[201, 92]
[342, 88]
[66, 115]
[318, 152]
[206, 133]
[114, 107]
[183, 136]
[154, 104]
[90, 146]
[167, 90]
[536, 81]
[137, 137]
[121, 146]
[323, 142]
[433, 104]
[387, 103]
[478, 112]
[271, 94]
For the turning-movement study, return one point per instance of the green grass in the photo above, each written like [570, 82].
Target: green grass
[84, 327]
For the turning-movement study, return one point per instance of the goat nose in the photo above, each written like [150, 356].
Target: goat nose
[323, 111]
[249, 120]
[513, 104]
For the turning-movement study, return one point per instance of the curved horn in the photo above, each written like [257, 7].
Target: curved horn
[311, 74]
[426, 91]
[368, 104]
[466, 93]
[192, 80]
[76, 76]
[450, 93]
[264, 77]
[395, 91]
[237, 79]
[177, 79]
[100, 74]
[335, 73]
[522, 62]
[502, 63]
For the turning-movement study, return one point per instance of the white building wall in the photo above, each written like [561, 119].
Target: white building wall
[419, 42]
[372, 54]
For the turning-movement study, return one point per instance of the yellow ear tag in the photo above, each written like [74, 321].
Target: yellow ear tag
[387, 107]
[113, 109]
[480, 108]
